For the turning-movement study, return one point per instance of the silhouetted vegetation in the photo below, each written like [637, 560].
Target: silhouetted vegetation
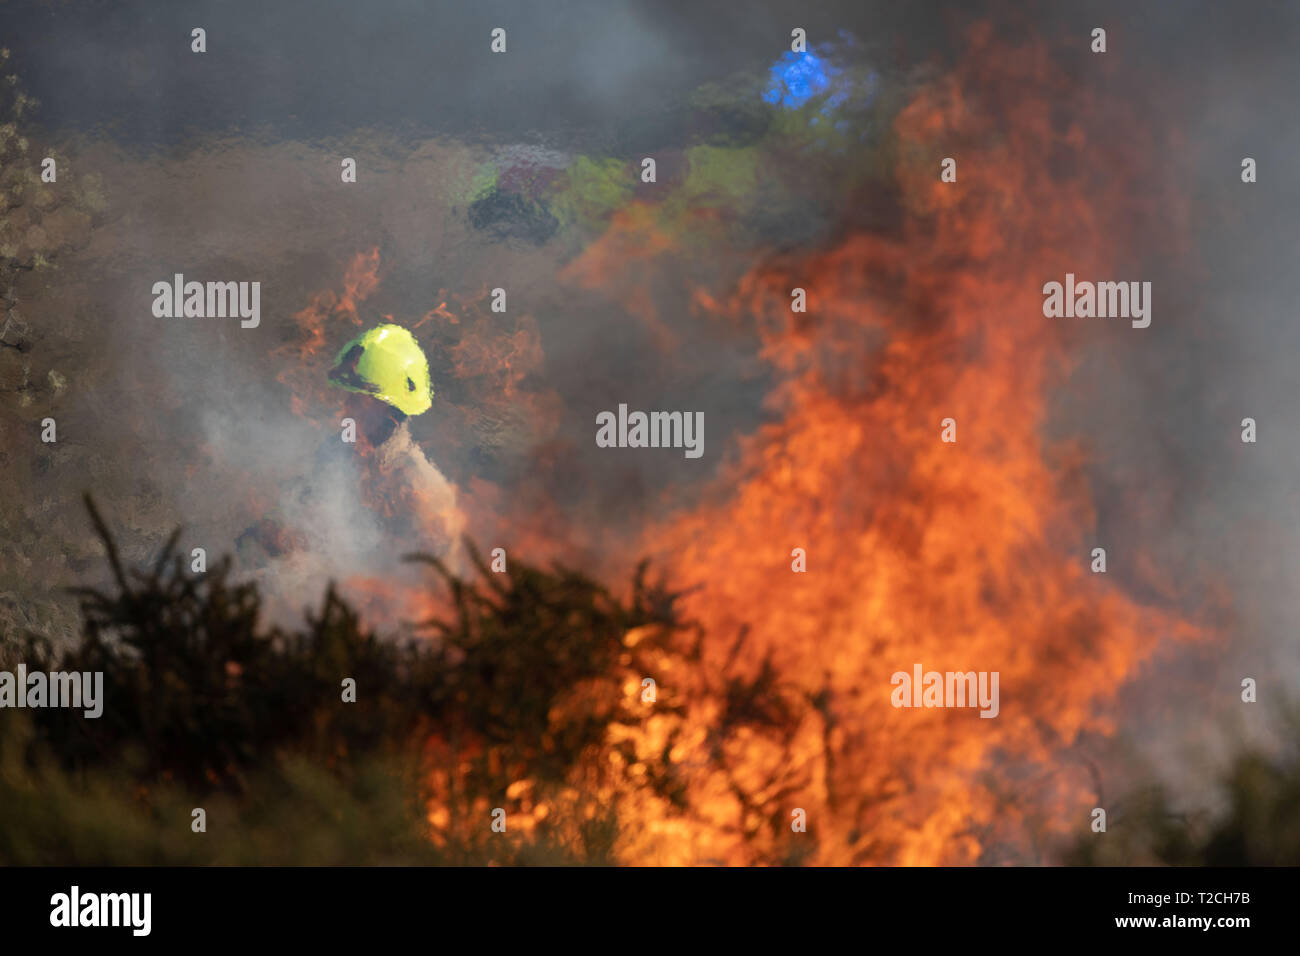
[521, 680]
[1259, 824]
[523, 694]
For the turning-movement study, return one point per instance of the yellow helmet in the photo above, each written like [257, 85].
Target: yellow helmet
[387, 363]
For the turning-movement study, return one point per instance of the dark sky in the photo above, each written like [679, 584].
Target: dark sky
[319, 67]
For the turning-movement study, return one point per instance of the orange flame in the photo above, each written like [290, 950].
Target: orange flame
[965, 556]
[959, 556]
[304, 368]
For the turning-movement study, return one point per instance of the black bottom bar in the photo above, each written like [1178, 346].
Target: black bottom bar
[585, 907]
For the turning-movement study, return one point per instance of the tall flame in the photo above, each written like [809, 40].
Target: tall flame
[962, 556]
